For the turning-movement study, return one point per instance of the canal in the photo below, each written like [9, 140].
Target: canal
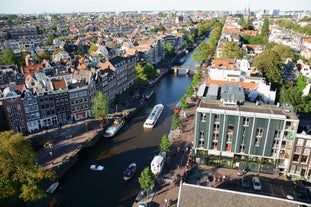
[83, 187]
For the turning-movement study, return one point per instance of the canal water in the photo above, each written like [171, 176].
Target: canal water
[83, 187]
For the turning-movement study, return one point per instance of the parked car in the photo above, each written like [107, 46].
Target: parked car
[245, 182]
[97, 167]
[256, 183]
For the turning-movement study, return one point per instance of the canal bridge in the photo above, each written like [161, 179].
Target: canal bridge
[184, 67]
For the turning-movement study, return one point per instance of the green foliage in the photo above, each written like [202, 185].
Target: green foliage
[7, 57]
[202, 52]
[100, 105]
[146, 179]
[92, 49]
[301, 82]
[140, 74]
[176, 121]
[94, 40]
[203, 27]
[19, 177]
[284, 52]
[231, 50]
[290, 24]
[265, 29]
[269, 63]
[42, 56]
[169, 50]
[49, 40]
[150, 71]
[165, 143]
[248, 39]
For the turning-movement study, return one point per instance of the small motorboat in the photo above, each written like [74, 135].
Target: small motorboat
[177, 108]
[129, 172]
[53, 187]
[97, 167]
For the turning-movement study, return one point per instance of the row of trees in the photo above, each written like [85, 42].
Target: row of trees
[206, 49]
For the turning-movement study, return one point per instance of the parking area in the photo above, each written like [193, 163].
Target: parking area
[231, 180]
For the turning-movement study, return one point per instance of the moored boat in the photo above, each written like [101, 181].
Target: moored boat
[154, 116]
[117, 124]
[177, 108]
[53, 187]
[129, 172]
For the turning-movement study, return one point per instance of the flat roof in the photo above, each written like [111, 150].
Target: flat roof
[201, 196]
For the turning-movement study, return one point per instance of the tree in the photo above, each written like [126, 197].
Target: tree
[284, 52]
[169, 50]
[269, 63]
[146, 179]
[176, 121]
[231, 50]
[100, 106]
[7, 57]
[141, 76]
[49, 40]
[150, 71]
[19, 177]
[92, 49]
[265, 29]
[42, 56]
[165, 143]
[202, 52]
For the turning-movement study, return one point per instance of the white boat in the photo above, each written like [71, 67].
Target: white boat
[129, 172]
[53, 187]
[97, 167]
[117, 124]
[154, 116]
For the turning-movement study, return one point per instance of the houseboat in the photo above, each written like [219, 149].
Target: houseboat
[112, 130]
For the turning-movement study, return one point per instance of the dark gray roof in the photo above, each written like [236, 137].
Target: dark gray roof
[201, 196]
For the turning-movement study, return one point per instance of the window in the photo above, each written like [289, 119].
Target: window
[259, 132]
[230, 129]
[229, 138]
[304, 159]
[201, 134]
[298, 150]
[217, 118]
[300, 142]
[308, 143]
[203, 117]
[215, 144]
[296, 158]
[216, 128]
[257, 141]
[306, 151]
[277, 134]
[245, 121]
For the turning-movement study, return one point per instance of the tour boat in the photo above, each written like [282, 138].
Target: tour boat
[177, 108]
[129, 172]
[154, 116]
[117, 124]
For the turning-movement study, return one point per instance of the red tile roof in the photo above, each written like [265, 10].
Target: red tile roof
[245, 85]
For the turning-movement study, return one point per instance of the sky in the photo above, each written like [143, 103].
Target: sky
[64, 6]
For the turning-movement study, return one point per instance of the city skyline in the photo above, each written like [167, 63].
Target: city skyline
[69, 6]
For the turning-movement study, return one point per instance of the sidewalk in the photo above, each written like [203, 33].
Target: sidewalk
[62, 144]
[167, 192]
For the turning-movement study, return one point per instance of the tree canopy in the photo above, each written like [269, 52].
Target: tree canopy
[7, 57]
[231, 50]
[202, 52]
[169, 50]
[269, 63]
[150, 71]
[100, 105]
[92, 49]
[165, 143]
[146, 179]
[140, 74]
[19, 177]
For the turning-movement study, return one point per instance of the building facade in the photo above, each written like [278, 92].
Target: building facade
[233, 133]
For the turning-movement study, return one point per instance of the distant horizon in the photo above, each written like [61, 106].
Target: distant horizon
[97, 6]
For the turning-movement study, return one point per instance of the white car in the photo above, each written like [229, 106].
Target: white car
[256, 183]
[97, 167]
